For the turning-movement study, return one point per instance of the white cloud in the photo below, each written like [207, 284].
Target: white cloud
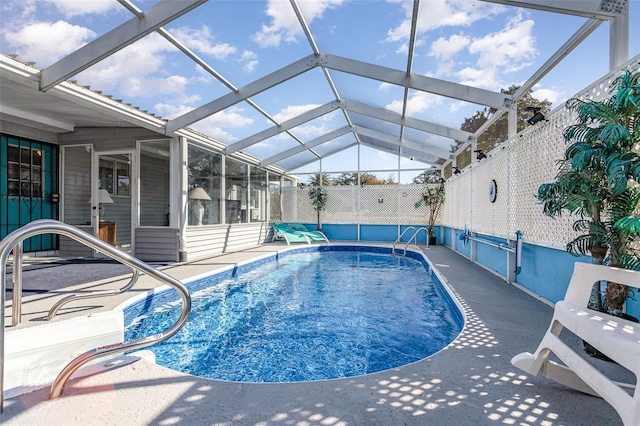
[445, 49]
[71, 8]
[171, 110]
[551, 94]
[293, 111]
[436, 14]
[202, 41]
[46, 42]
[486, 78]
[284, 24]
[213, 125]
[24, 8]
[419, 102]
[144, 87]
[250, 60]
[510, 49]
[310, 131]
[231, 118]
[136, 61]
[214, 132]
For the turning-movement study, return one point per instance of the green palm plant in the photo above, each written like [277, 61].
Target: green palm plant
[594, 179]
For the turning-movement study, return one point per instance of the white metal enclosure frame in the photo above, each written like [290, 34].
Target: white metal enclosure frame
[52, 79]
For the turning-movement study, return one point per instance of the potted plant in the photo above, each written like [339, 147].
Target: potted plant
[318, 196]
[596, 182]
[432, 198]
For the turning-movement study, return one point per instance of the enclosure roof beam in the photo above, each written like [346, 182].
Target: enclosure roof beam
[115, 40]
[284, 126]
[328, 154]
[298, 149]
[257, 86]
[416, 81]
[417, 146]
[414, 123]
[598, 9]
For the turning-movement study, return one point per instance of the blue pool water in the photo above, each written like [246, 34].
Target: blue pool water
[318, 313]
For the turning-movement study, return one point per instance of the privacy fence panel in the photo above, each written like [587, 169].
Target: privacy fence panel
[519, 166]
[372, 204]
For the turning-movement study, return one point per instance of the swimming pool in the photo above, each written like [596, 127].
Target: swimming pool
[313, 313]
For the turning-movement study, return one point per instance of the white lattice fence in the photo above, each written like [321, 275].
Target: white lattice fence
[491, 217]
[458, 201]
[374, 204]
[519, 167]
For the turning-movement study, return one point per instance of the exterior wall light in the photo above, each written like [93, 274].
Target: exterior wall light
[537, 115]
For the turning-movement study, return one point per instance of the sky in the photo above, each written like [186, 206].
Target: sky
[471, 42]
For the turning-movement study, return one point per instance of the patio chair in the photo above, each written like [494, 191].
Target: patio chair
[283, 230]
[313, 235]
[617, 338]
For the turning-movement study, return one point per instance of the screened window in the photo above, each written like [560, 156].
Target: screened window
[275, 207]
[236, 185]
[24, 177]
[113, 176]
[204, 172]
[258, 195]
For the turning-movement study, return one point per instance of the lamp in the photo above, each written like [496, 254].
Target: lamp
[480, 155]
[103, 198]
[198, 194]
[456, 171]
[536, 117]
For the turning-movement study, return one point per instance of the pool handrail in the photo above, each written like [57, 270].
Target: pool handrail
[92, 295]
[413, 237]
[393, 250]
[45, 226]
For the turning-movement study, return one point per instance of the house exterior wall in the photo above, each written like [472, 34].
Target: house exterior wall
[203, 241]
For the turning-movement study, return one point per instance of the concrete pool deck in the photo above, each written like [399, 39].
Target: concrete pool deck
[471, 382]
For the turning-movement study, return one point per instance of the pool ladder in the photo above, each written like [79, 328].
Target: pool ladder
[13, 242]
[413, 238]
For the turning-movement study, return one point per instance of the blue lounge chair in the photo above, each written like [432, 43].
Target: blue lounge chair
[283, 230]
[313, 235]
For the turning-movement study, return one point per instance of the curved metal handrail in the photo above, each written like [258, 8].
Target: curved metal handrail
[53, 226]
[414, 237]
[393, 251]
[92, 295]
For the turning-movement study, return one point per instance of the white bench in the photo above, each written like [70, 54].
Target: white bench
[617, 338]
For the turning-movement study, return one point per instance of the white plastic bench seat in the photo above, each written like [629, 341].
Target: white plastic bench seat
[617, 338]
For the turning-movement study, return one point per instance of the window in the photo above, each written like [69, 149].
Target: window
[236, 181]
[24, 171]
[258, 195]
[114, 176]
[204, 172]
[275, 211]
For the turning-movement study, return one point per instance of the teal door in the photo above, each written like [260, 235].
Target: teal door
[28, 188]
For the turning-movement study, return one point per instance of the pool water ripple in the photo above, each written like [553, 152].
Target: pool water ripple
[312, 315]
